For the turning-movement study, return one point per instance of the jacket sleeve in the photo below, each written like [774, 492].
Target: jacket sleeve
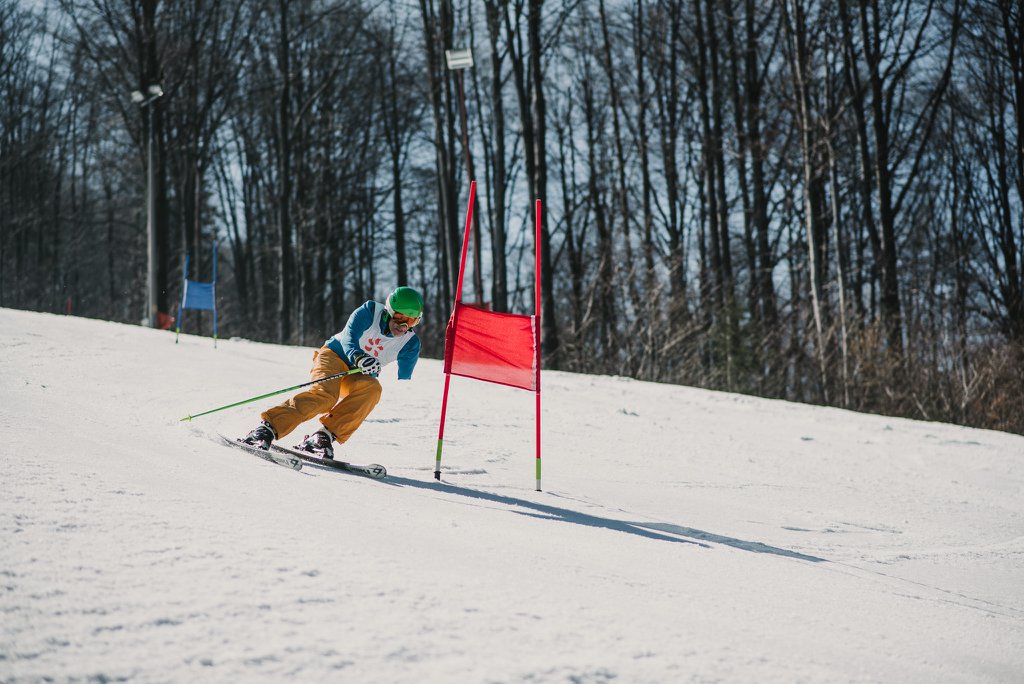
[358, 322]
[408, 357]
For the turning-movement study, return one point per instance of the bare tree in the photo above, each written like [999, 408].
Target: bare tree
[893, 40]
[528, 78]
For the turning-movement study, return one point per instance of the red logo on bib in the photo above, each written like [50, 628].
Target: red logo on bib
[374, 346]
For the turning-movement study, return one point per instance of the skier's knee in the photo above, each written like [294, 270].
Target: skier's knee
[374, 390]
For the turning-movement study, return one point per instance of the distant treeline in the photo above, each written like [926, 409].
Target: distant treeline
[816, 200]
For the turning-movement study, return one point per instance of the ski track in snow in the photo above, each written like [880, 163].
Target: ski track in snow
[683, 535]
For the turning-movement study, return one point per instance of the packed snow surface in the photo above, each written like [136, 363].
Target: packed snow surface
[681, 535]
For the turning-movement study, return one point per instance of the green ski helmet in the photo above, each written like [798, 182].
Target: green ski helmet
[406, 302]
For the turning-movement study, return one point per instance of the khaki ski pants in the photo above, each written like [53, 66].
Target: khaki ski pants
[342, 404]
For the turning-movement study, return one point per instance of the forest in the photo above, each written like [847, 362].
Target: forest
[812, 200]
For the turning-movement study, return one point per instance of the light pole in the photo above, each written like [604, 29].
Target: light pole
[458, 61]
[146, 100]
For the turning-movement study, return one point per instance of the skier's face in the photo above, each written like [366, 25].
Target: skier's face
[398, 329]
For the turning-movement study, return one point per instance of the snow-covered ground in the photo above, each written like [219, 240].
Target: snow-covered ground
[683, 535]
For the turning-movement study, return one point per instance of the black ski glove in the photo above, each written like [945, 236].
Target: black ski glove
[370, 365]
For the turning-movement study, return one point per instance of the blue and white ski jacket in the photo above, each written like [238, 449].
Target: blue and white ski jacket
[367, 332]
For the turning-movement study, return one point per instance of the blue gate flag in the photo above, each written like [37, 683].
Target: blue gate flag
[198, 295]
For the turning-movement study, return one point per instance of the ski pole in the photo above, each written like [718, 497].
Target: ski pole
[270, 394]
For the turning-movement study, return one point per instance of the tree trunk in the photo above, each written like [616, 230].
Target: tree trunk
[532, 115]
[795, 24]
[499, 268]
[284, 178]
[435, 32]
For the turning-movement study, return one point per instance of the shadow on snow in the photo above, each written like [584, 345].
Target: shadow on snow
[649, 530]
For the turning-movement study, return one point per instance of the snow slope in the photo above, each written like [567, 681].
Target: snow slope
[684, 535]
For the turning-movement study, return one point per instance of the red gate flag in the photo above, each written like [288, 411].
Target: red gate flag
[492, 346]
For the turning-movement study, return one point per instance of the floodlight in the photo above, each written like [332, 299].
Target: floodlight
[459, 59]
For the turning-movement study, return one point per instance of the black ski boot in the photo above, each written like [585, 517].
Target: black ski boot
[262, 436]
[319, 444]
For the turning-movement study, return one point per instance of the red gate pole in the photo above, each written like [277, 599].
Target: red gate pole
[536, 331]
[452, 326]
[440, 430]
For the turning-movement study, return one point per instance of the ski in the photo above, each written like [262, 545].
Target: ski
[371, 470]
[288, 459]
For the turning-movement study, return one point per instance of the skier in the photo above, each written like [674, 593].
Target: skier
[376, 334]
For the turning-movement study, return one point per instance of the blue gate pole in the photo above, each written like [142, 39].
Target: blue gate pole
[214, 293]
[181, 307]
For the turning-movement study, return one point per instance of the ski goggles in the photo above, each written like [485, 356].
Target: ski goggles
[410, 321]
